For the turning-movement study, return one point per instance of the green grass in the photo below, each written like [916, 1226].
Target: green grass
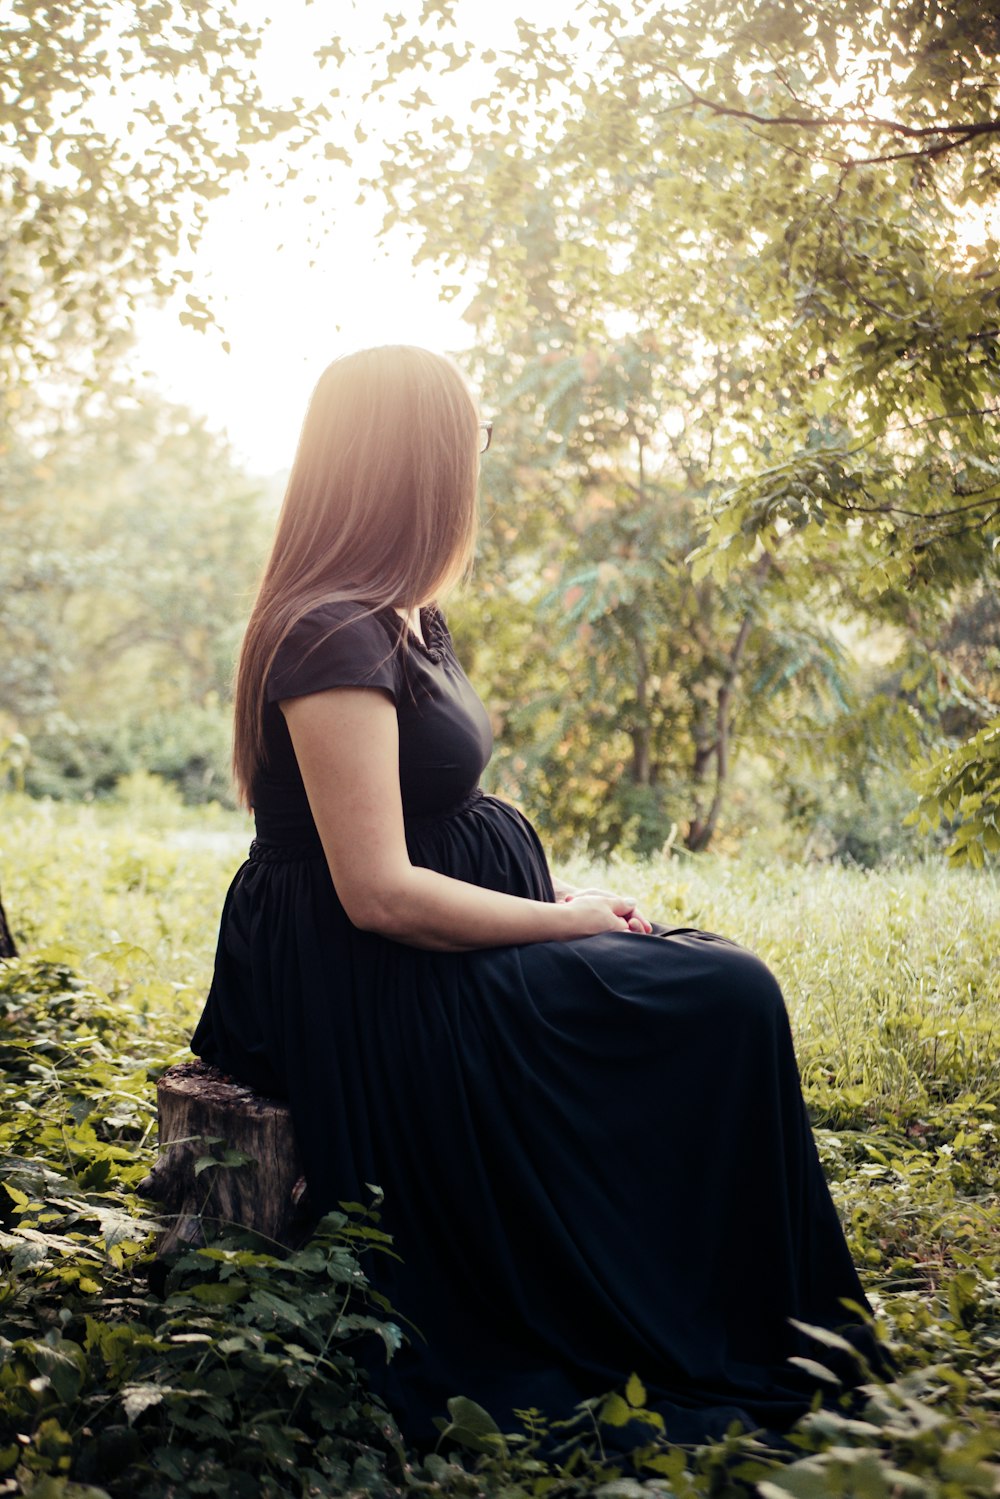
[146, 872]
[892, 979]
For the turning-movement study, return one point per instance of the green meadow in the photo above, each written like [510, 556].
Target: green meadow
[232, 1369]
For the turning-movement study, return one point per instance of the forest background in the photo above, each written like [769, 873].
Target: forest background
[731, 289]
[731, 281]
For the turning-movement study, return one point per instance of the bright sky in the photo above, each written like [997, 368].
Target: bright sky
[288, 308]
[284, 320]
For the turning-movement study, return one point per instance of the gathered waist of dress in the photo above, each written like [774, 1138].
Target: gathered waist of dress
[285, 846]
[263, 851]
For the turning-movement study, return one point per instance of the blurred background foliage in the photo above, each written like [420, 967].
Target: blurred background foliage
[131, 546]
[736, 312]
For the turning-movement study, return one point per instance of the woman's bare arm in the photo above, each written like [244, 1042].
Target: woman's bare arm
[347, 746]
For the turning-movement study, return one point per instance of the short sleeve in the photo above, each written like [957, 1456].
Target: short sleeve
[334, 645]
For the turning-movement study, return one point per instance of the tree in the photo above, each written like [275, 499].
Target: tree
[132, 544]
[627, 689]
[781, 200]
[119, 124]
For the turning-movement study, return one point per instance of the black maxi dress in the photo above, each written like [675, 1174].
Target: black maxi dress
[595, 1155]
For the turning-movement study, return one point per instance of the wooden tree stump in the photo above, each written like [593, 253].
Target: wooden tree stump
[255, 1178]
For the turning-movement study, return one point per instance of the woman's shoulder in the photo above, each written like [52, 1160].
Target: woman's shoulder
[344, 611]
[336, 643]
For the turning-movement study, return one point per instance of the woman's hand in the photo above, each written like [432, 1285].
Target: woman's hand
[590, 914]
[634, 919]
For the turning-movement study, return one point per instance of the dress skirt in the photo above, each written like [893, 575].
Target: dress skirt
[595, 1154]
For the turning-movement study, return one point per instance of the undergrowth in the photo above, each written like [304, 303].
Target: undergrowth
[235, 1368]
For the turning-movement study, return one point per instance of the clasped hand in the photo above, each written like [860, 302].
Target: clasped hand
[619, 912]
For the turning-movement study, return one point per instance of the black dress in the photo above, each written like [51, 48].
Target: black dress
[595, 1154]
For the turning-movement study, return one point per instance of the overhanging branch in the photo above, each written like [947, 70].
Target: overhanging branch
[962, 131]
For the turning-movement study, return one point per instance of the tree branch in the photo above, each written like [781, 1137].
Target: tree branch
[988, 499]
[700, 832]
[966, 131]
[924, 421]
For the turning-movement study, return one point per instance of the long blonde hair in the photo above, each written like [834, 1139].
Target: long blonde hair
[380, 508]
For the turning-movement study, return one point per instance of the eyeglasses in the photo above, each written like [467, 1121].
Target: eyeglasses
[485, 435]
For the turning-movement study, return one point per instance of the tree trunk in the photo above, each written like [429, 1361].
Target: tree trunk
[255, 1177]
[7, 945]
[702, 828]
[642, 760]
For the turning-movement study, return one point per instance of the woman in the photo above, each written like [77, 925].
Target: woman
[589, 1129]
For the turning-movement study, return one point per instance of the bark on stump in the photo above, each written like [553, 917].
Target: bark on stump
[203, 1113]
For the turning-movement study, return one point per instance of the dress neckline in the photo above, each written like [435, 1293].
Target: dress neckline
[431, 646]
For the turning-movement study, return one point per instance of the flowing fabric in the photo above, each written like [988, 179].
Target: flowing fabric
[595, 1154]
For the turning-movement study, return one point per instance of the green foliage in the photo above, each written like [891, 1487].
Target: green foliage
[963, 787]
[732, 251]
[235, 1372]
[131, 547]
[238, 1372]
[856, 815]
[629, 688]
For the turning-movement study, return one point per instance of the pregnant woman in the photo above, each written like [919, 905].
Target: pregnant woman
[588, 1128]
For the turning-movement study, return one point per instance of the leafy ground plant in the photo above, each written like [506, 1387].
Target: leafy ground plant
[235, 1368]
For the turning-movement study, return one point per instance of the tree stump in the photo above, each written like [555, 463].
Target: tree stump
[226, 1155]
